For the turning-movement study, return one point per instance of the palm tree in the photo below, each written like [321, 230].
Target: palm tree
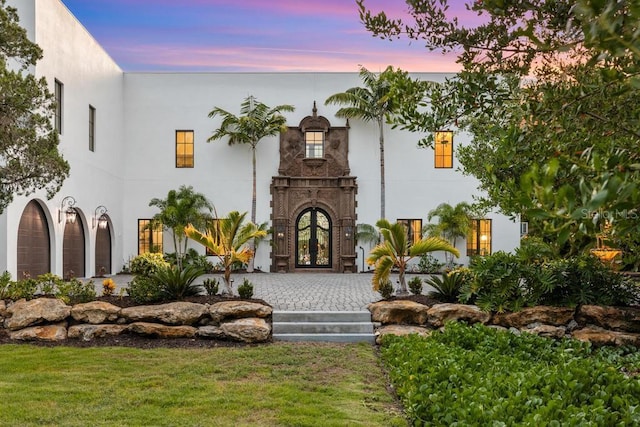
[377, 102]
[453, 222]
[226, 239]
[179, 209]
[395, 252]
[256, 121]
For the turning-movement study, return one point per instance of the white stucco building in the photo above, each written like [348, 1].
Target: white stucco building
[127, 137]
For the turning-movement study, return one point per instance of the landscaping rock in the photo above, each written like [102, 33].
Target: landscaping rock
[439, 314]
[599, 337]
[89, 332]
[95, 312]
[556, 316]
[401, 330]
[548, 331]
[398, 312]
[162, 331]
[248, 330]
[3, 310]
[25, 313]
[57, 332]
[174, 313]
[238, 309]
[615, 318]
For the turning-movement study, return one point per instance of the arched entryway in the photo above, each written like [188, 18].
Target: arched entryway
[313, 239]
[73, 250]
[103, 250]
[34, 243]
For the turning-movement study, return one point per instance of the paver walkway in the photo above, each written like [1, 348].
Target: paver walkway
[302, 291]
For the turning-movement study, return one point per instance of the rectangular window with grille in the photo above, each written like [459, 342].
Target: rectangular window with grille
[443, 149]
[479, 238]
[314, 144]
[149, 238]
[184, 148]
[414, 230]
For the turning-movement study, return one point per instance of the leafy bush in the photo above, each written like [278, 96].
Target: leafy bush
[191, 257]
[385, 289]
[5, 285]
[475, 375]
[534, 250]
[49, 284]
[175, 284]
[26, 288]
[146, 264]
[212, 286]
[75, 291]
[429, 264]
[448, 287]
[246, 289]
[415, 285]
[144, 290]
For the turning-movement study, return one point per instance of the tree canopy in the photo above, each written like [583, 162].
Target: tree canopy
[29, 157]
[548, 92]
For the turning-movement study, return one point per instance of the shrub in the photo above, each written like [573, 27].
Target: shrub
[146, 264]
[48, 283]
[448, 287]
[108, 287]
[26, 288]
[5, 285]
[415, 285]
[534, 250]
[246, 289]
[475, 375]
[75, 291]
[175, 284]
[211, 286]
[385, 289]
[144, 290]
[428, 264]
[191, 257]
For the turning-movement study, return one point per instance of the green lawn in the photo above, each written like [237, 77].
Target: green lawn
[267, 385]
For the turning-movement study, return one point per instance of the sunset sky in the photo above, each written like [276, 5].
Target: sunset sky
[251, 35]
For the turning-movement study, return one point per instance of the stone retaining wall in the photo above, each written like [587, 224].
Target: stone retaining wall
[50, 319]
[598, 325]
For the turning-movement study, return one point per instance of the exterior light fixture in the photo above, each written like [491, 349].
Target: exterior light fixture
[69, 212]
[101, 221]
[348, 231]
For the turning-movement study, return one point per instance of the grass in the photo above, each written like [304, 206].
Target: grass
[269, 385]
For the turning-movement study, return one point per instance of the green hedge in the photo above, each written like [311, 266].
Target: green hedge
[480, 376]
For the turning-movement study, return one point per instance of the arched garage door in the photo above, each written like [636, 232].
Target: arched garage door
[34, 244]
[103, 251]
[73, 252]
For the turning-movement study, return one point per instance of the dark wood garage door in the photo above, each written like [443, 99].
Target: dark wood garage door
[103, 251]
[34, 245]
[73, 249]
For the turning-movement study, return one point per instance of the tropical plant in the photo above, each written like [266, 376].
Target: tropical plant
[376, 102]
[257, 121]
[108, 287]
[429, 264]
[226, 239]
[147, 263]
[395, 252]
[448, 287]
[453, 222]
[385, 289]
[191, 257]
[29, 156]
[175, 283]
[415, 285]
[180, 208]
[144, 290]
[367, 233]
[246, 289]
[211, 286]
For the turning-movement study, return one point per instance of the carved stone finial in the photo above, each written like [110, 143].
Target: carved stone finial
[315, 110]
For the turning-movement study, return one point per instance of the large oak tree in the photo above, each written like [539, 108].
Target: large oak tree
[29, 157]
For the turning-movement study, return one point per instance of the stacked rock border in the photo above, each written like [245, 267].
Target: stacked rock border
[50, 319]
[615, 326]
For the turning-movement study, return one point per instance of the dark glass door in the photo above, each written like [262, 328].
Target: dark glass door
[313, 239]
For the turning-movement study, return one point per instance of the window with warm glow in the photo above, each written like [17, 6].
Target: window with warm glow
[479, 239]
[149, 238]
[184, 148]
[314, 144]
[414, 230]
[443, 149]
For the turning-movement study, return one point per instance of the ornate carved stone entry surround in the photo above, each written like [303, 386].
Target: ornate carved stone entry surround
[313, 200]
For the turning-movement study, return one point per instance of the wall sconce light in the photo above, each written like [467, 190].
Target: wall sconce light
[69, 213]
[348, 231]
[280, 232]
[102, 220]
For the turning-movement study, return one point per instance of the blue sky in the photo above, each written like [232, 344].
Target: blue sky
[250, 35]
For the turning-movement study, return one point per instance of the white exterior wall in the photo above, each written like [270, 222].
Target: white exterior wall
[90, 77]
[134, 161]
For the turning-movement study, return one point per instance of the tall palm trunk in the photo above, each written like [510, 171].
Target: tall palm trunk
[382, 184]
[252, 244]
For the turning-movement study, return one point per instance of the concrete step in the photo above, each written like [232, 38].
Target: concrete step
[329, 326]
